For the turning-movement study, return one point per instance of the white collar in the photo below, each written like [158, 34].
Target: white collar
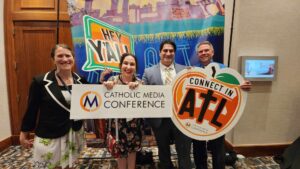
[163, 67]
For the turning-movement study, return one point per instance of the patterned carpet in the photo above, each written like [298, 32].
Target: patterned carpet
[15, 157]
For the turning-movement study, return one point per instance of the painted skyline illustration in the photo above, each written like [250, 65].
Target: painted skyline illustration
[186, 22]
[126, 12]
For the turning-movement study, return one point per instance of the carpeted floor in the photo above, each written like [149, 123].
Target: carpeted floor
[15, 157]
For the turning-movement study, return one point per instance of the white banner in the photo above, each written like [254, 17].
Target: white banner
[96, 102]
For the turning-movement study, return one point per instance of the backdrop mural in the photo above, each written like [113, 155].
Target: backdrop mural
[148, 22]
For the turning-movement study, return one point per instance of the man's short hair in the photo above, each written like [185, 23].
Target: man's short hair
[167, 42]
[204, 43]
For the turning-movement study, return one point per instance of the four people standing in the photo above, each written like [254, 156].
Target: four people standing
[50, 95]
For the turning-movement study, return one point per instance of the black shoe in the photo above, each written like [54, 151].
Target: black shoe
[278, 159]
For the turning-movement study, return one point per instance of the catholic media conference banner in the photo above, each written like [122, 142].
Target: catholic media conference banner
[103, 30]
[96, 102]
[207, 103]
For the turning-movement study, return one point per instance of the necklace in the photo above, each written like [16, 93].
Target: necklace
[120, 78]
[125, 83]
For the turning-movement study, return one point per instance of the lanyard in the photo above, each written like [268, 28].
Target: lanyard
[67, 87]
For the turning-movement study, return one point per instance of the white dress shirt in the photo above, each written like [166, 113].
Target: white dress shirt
[163, 72]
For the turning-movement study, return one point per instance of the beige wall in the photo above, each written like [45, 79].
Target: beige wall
[268, 28]
[4, 111]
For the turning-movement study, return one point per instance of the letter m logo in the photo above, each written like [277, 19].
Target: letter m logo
[90, 101]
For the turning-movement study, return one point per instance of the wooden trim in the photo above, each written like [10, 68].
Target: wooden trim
[10, 59]
[39, 16]
[4, 144]
[15, 139]
[37, 4]
[257, 150]
[37, 10]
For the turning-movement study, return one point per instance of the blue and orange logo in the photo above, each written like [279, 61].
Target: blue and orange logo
[90, 101]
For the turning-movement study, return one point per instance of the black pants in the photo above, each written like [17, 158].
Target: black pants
[163, 134]
[217, 148]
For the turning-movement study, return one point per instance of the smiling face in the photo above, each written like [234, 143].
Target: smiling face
[128, 66]
[63, 59]
[205, 54]
[167, 54]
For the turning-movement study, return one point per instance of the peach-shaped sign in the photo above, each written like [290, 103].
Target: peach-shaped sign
[207, 103]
